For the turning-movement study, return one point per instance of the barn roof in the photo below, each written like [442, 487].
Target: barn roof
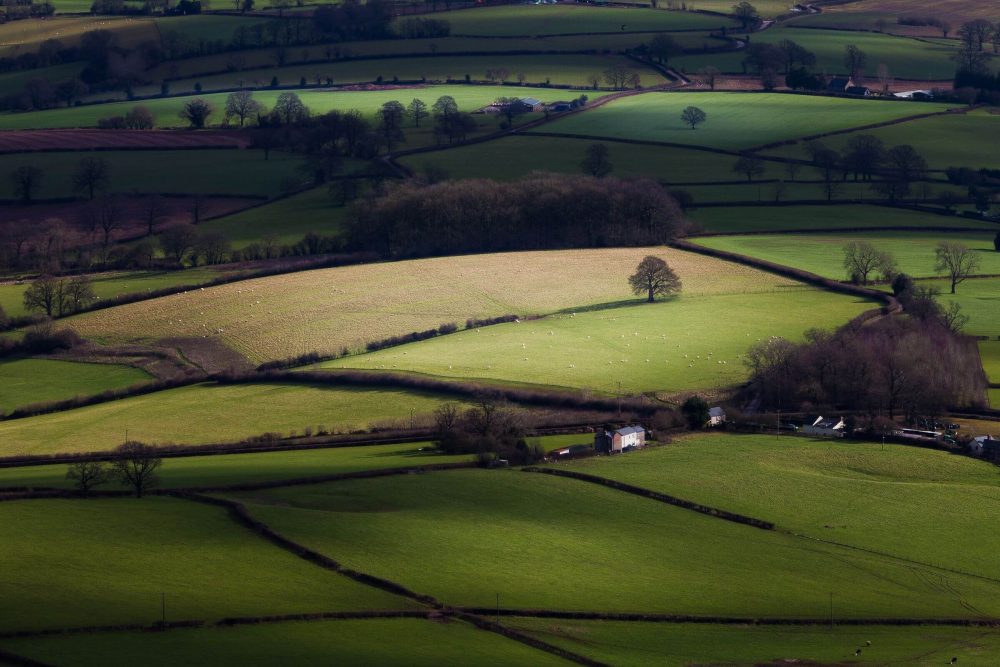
[629, 430]
[531, 101]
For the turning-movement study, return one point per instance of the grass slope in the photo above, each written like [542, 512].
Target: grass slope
[735, 120]
[98, 562]
[367, 643]
[672, 345]
[286, 220]
[166, 110]
[203, 414]
[225, 172]
[27, 381]
[535, 20]
[111, 285]
[224, 469]
[535, 539]
[823, 253]
[907, 58]
[990, 353]
[758, 218]
[572, 70]
[329, 309]
[639, 644]
[955, 140]
[899, 500]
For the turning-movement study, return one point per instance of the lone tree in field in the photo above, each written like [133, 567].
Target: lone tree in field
[85, 475]
[242, 105]
[653, 277]
[135, 465]
[693, 116]
[750, 165]
[956, 260]
[92, 175]
[996, 242]
[862, 259]
[196, 112]
[596, 161]
[26, 180]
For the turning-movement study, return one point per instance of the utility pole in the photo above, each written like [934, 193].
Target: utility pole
[831, 610]
[498, 609]
[163, 609]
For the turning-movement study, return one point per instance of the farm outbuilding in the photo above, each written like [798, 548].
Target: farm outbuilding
[716, 416]
[624, 439]
[833, 428]
[533, 104]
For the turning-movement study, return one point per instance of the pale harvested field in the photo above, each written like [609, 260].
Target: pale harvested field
[955, 11]
[326, 310]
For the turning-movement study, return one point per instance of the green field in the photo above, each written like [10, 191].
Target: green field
[84, 563]
[224, 172]
[504, 159]
[14, 82]
[897, 501]
[642, 644]
[786, 218]
[674, 345]
[111, 285]
[907, 58]
[203, 414]
[980, 301]
[286, 220]
[823, 253]
[218, 470]
[814, 193]
[18, 37]
[535, 20]
[958, 140]
[27, 381]
[208, 28]
[572, 70]
[994, 396]
[990, 354]
[735, 120]
[166, 110]
[539, 538]
[366, 643]
[329, 309]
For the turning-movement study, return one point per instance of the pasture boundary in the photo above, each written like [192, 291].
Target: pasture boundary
[640, 617]
[655, 495]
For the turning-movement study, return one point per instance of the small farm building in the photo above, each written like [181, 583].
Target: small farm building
[839, 84]
[984, 445]
[612, 442]
[859, 91]
[533, 104]
[716, 416]
[834, 428]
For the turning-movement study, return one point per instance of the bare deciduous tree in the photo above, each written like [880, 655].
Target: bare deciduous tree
[85, 475]
[92, 175]
[654, 277]
[26, 179]
[861, 259]
[135, 464]
[958, 261]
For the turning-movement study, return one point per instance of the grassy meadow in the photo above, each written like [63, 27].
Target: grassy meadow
[735, 121]
[329, 309]
[17, 37]
[224, 172]
[27, 381]
[906, 57]
[365, 643]
[980, 301]
[539, 537]
[286, 220]
[226, 469]
[165, 110]
[674, 345]
[792, 218]
[823, 253]
[955, 140]
[103, 562]
[207, 414]
[536, 20]
[641, 644]
[568, 70]
[115, 284]
[503, 159]
[990, 354]
[897, 501]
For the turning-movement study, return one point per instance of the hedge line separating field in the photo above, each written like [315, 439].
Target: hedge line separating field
[458, 389]
[8, 658]
[490, 626]
[890, 306]
[655, 495]
[239, 513]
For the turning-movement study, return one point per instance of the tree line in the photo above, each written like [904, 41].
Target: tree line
[540, 211]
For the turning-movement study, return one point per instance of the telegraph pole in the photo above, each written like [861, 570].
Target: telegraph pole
[498, 609]
[831, 610]
[163, 609]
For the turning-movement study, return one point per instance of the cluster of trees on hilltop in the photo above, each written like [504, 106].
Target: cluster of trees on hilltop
[540, 211]
[896, 366]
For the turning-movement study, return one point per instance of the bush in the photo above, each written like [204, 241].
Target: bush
[44, 339]
[695, 411]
